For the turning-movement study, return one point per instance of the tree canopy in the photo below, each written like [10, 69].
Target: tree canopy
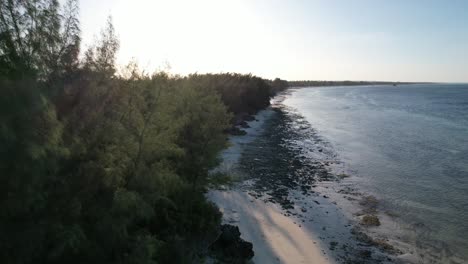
[97, 167]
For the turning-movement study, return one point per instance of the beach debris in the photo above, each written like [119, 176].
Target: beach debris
[370, 220]
[343, 175]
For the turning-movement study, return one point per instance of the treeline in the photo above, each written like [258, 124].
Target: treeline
[338, 83]
[240, 93]
[99, 167]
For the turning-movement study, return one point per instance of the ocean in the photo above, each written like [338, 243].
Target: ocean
[408, 146]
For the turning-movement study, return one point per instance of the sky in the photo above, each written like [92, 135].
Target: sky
[392, 40]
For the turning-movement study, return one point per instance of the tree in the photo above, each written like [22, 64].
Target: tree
[204, 119]
[100, 57]
[38, 39]
[31, 149]
[97, 167]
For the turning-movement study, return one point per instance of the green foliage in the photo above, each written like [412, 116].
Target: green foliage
[100, 58]
[30, 149]
[38, 38]
[101, 168]
[241, 93]
[278, 85]
[204, 118]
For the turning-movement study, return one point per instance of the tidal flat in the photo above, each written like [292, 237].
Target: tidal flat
[287, 174]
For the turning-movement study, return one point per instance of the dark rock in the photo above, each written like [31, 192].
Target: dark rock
[296, 162]
[235, 131]
[249, 118]
[229, 234]
[238, 119]
[365, 254]
[241, 117]
[244, 124]
[333, 245]
[230, 247]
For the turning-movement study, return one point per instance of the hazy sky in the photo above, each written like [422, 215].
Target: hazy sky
[395, 40]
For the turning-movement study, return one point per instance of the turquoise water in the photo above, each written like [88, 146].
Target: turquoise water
[408, 145]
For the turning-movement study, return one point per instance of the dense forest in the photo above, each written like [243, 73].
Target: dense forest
[100, 164]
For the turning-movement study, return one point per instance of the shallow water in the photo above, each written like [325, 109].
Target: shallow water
[407, 145]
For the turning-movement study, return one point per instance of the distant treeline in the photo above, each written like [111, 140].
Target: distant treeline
[241, 93]
[100, 167]
[339, 83]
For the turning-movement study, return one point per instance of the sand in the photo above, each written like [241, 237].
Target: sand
[276, 238]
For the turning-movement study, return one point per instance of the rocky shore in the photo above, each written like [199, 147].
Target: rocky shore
[284, 166]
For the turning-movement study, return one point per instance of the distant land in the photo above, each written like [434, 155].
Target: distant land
[308, 83]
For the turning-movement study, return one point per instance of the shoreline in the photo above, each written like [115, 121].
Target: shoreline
[317, 223]
[414, 239]
[276, 237]
[364, 229]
